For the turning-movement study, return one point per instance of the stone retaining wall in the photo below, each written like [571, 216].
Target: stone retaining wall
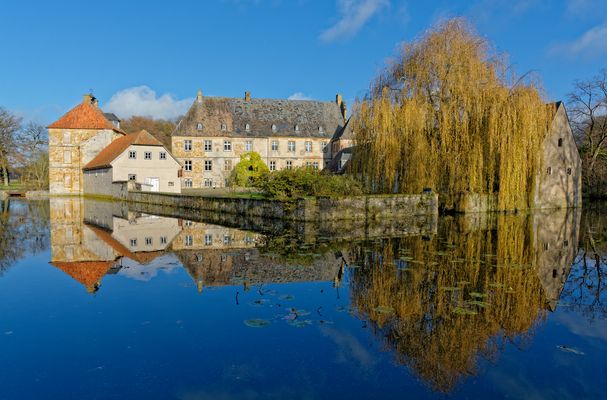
[304, 209]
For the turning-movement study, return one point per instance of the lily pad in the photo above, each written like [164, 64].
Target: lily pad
[257, 323]
[464, 311]
[286, 297]
[479, 303]
[384, 310]
[300, 323]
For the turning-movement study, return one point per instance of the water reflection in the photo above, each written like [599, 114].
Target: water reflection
[439, 296]
[440, 303]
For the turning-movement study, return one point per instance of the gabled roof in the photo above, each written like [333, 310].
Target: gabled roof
[88, 273]
[142, 258]
[117, 147]
[321, 119]
[111, 117]
[85, 115]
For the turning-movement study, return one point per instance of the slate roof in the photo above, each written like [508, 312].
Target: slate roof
[85, 115]
[312, 118]
[111, 117]
[117, 147]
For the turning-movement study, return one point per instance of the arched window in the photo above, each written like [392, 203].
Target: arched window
[273, 128]
[321, 130]
[223, 126]
[247, 127]
[199, 126]
[296, 128]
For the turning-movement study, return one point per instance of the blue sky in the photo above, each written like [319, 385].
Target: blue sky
[151, 57]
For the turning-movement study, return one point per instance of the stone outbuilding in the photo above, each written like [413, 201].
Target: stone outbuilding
[137, 158]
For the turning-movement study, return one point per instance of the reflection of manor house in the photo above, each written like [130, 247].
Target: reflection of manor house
[88, 241]
[250, 267]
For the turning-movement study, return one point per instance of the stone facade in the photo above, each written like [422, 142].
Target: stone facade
[71, 149]
[559, 184]
[215, 132]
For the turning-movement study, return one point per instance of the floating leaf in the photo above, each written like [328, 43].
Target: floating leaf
[464, 311]
[384, 310]
[259, 302]
[286, 297]
[340, 309]
[479, 303]
[299, 323]
[478, 295]
[257, 323]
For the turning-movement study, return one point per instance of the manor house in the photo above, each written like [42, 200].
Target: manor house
[216, 131]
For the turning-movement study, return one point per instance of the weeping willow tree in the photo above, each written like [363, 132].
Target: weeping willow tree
[450, 115]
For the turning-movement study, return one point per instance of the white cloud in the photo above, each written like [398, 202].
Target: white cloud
[592, 43]
[354, 14]
[299, 96]
[142, 100]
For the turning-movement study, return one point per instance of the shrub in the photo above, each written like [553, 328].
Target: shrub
[250, 168]
[289, 184]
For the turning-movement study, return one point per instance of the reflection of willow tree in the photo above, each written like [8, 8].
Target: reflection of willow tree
[586, 288]
[24, 227]
[442, 302]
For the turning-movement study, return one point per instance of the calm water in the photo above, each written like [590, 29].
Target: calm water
[101, 302]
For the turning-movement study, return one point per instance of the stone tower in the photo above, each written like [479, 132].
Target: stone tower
[74, 140]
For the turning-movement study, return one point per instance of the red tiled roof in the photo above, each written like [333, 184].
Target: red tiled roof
[86, 272]
[118, 146]
[84, 116]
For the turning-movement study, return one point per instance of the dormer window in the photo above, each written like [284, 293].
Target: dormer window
[560, 142]
[247, 127]
[224, 127]
[199, 126]
[273, 128]
[296, 128]
[321, 130]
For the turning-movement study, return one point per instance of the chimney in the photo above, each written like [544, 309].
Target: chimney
[199, 96]
[247, 96]
[342, 105]
[89, 98]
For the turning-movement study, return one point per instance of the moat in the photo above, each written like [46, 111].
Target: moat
[103, 300]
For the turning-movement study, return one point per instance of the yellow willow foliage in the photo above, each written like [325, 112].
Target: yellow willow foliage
[448, 115]
[442, 277]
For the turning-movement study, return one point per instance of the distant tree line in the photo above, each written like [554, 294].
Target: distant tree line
[23, 151]
[160, 128]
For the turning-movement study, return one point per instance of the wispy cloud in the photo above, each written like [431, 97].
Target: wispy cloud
[142, 100]
[299, 96]
[592, 43]
[354, 14]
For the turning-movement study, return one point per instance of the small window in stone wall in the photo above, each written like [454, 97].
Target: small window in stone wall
[187, 183]
[272, 165]
[560, 142]
[208, 165]
[568, 171]
[67, 156]
[274, 145]
[248, 145]
[187, 165]
[208, 239]
[67, 137]
[188, 240]
[227, 145]
[208, 145]
[289, 164]
[549, 170]
[187, 145]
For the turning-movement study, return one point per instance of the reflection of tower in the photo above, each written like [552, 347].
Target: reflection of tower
[75, 248]
[555, 245]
